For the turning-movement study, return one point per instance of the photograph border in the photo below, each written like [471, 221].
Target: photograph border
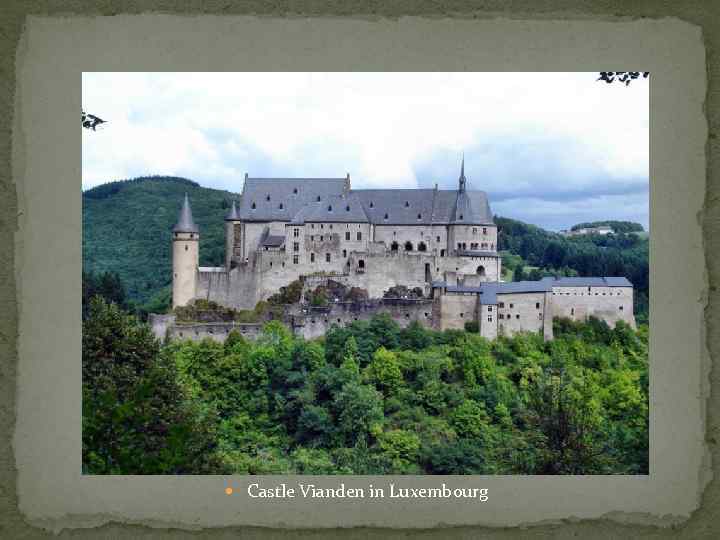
[30, 201]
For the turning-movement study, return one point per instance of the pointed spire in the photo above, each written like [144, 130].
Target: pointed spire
[185, 221]
[233, 215]
[463, 180]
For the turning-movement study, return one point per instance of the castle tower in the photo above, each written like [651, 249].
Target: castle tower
[186, 244]
[233, 236]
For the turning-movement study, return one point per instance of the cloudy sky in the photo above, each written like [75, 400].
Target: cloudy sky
[552, 149]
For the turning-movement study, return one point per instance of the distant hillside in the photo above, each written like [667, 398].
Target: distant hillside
[616, 226]
[127, 227]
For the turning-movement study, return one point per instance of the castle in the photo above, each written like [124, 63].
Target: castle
[441, 242]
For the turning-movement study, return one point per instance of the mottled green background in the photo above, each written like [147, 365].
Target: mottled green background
[12, 17]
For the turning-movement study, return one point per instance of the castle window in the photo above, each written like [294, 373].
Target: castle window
[419, 216]
[489, 319]
[442, 252]
[296, 246]
[407, 204]
[327, 257]
[295, 191]
[501, 305]
[437, 239]
[312, 257]
[386, 216]
[537, 305]
[295, 259]
[296, 232]
[186, 248]
[474, 230]
[322, 237]
[540, 316]
[267, 198]
[426, 314]
[361, 264]
[347, 208]
[408, 246]
[464, 246]
[270, 264]
[331, 226]
[572, 311]
[422, 246]
[621, 308]
[372, 204]
[312, 238]
[318, 198]
[281, 206]
[489, 308]
[359, 236]
[517, 316]
[330, 208]
[344, 253]
[253, 206]
[461, 216]
[394, 246]
[407, 315]
[492, 246]
[322, 225]
[484, 229]
[501, 316]
[511, 306]
[462, 315]
[347, 235]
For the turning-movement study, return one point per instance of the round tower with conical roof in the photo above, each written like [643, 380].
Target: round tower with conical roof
[186, 256]
[233, 236]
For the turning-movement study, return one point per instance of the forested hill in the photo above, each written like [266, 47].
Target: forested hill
[127, 227]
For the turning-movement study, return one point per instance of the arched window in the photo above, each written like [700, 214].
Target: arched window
[422, 246]
[407, 203]
[386, 216]
[419, 216]
[394, 246]
[267, 198]
[329, 208]
[318, 198]
[372, 204]
[347, 208]
[281, 206]
[480, 270]
[408, 246]
[295, 191]
[361, 263]
[253, 206]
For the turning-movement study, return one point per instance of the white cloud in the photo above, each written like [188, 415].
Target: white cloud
[214, 127]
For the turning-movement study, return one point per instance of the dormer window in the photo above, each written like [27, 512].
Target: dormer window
[461, 216]
[386, 216]
[318, 199]
[347, 208]
[267, 198]
[419, 216]
[281, 206]
[329, 208]
[295, 191]
[372, 204]
[253, 206]
[407, 204]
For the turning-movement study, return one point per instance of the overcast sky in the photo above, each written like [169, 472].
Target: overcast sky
[552, 149]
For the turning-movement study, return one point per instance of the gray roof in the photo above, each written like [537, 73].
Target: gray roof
[290, 193]
[185, 221]
[476, 253]
[335, 208]
[273, 240]
[295, 200]
[233, 214]
[490, 289]
[589, 282]
[472, 207]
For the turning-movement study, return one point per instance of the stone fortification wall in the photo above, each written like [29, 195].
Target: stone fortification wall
[456, 309]
[610, 304]
[524, 312]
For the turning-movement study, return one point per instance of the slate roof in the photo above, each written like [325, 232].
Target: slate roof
[185, 221]
[296, 200]
[233, 214]
[333, 209]
[273, 240]
[290, 193]
[490, 289]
